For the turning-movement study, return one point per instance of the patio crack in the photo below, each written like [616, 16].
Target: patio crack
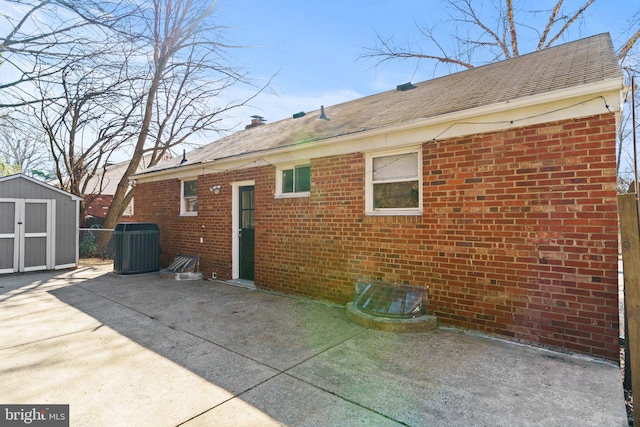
[290, 375]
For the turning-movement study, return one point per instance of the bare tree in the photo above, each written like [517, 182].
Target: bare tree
[188, 73]
[629, 45]
[625, 157]
[115, 75]
[46, 44]
[92, 114]
[23, 146]
[629, 56]
[481, 37]
[44, 36]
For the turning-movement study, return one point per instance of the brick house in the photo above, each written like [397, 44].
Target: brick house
[100, 191]
[495, 187]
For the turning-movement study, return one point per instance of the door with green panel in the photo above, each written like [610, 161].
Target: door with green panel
[246, 234]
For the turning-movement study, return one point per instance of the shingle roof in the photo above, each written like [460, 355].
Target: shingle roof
[585, 61]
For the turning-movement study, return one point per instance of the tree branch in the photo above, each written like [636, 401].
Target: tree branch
[385, 52]
[570, 21]
[547, 28]
[624, 50]
[512, 28]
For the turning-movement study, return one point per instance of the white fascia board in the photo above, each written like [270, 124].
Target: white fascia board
[578, 101]
[178, 172]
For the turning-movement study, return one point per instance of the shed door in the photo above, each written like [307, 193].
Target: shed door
[8, 254]
[36, 239]
[26, 230]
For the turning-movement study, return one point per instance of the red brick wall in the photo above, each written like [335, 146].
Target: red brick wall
[159, 202]
[98, 208]
[525, 239]
[518, 235]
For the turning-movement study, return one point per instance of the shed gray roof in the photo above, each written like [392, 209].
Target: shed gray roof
[589, 60]
[21, 176]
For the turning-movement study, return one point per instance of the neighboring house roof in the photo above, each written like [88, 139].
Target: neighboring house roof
[38, 182]
[567, 70]
[112, 175]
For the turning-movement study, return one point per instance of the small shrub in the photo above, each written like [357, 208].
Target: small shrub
[88, 247]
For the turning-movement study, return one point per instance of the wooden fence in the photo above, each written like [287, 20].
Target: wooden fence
[630, 242]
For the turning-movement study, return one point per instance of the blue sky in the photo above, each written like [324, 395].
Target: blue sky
[311, 48]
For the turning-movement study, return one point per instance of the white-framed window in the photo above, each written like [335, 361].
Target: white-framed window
[293, 180]
[394, 182]
[128, 211]
[189, 197]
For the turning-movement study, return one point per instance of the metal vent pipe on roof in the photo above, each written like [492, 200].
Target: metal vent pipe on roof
[323, 116]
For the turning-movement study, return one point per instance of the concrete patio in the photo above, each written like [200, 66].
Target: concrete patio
[141, 351]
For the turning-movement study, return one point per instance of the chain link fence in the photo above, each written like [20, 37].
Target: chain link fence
[96, 243]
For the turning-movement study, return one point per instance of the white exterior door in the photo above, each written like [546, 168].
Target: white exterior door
[26, 235]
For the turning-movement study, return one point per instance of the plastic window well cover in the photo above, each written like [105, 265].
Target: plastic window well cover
[390, 300]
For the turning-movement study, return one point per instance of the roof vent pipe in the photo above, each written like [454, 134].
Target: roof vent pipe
[323, 116]
[184, 156]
